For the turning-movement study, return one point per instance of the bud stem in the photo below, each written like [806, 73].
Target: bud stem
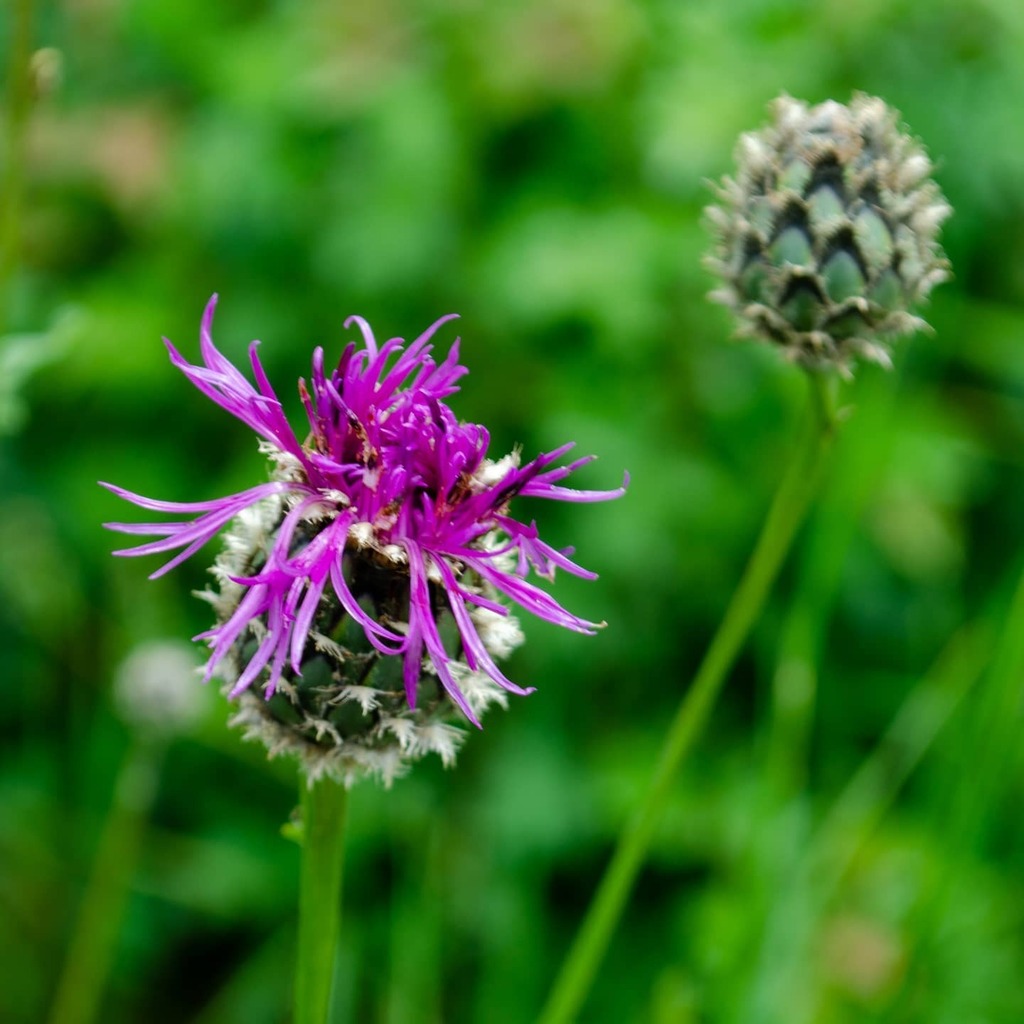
[15, 124]
[323, 833]
[788, 510]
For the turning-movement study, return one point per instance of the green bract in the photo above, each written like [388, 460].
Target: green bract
[829, 232]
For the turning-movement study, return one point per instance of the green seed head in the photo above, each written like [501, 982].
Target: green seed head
[828, 234]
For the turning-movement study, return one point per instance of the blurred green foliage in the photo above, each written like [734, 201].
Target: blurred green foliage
[539, 167]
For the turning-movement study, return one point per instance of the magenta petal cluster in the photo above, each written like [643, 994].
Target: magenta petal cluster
[386, 465]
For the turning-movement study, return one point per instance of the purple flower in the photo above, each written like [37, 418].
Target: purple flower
[385, 536]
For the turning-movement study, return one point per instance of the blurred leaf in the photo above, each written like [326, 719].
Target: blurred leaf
[24, 355]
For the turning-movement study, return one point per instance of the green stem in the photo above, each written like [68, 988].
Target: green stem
[788, 509]
[323, 835]
[92, 946]
[12, 177]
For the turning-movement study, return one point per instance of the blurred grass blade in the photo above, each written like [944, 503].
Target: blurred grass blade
[977, 787]
[871, 792]
[91, 950]
[801, 900]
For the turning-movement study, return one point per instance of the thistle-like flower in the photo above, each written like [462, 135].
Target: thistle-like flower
[361, 590]
[828, 234]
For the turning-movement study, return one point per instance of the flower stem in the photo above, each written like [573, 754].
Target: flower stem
[323, 834]
[787, 512]
[94, 941]
[12, 171]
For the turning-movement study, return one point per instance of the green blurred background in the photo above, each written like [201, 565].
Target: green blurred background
[847, 843]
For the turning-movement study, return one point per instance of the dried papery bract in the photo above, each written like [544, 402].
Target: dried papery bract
[828, 234]
[362, 594]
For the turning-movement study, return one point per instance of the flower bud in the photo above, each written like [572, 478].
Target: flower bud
[828, 234]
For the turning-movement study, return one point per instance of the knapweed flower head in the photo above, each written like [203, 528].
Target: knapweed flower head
[828, 234]
[361, 595]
